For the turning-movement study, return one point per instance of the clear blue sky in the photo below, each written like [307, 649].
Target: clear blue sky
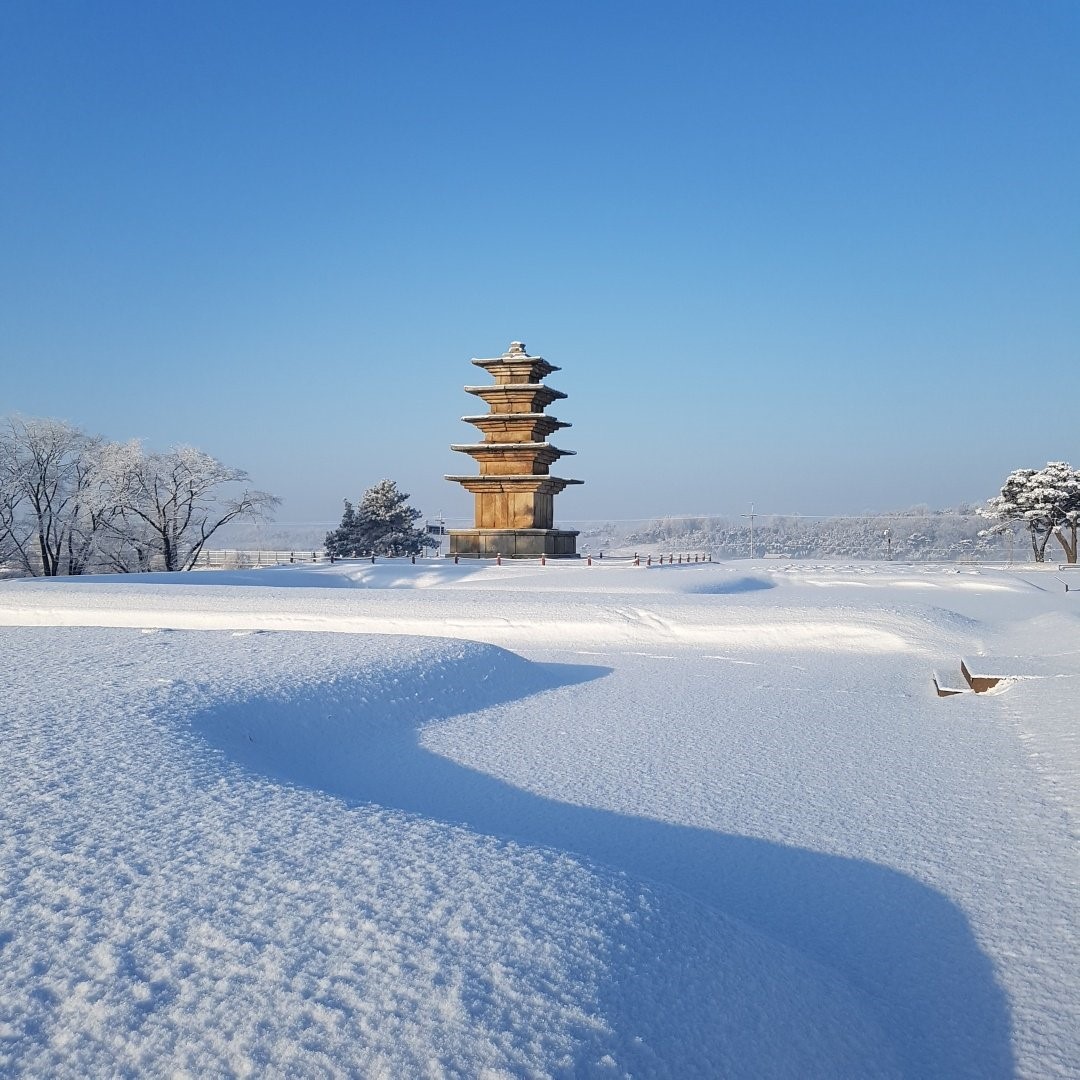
[822, 256]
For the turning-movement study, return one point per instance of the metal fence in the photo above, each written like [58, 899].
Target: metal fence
[239, 558]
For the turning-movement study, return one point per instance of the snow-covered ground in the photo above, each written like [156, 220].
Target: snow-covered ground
[523, 821]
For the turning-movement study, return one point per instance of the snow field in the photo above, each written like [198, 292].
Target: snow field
[163, 904]
[706, 823]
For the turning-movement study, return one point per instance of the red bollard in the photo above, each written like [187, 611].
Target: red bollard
[589, 560]
[637, 559]
[543, 560]
[648, 560]
[498, 558]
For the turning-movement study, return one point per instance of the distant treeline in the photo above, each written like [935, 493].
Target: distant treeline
[918, 534]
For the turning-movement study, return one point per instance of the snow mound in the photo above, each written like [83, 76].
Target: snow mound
[172, 906]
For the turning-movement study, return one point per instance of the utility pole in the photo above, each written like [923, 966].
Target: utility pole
[751, 516]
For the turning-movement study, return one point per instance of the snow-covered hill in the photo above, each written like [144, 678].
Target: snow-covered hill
[539, 821]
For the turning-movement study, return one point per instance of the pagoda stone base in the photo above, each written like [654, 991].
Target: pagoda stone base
[513, 543]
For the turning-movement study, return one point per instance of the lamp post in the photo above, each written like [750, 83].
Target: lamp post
[751, 516]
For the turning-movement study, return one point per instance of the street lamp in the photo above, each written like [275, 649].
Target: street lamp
[751, 516]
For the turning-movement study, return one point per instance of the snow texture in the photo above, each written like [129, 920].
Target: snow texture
[562, 821]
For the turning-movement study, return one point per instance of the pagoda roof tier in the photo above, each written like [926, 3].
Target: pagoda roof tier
[516, 427]
[516, 397]
[524, 483]
[516, 365]
[531, 369]
[510, 459]
[517, 417]
[497, 449]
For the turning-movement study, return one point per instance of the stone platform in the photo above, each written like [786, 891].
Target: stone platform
[513, 543]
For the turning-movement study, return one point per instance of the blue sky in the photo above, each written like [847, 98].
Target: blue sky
[822, 257]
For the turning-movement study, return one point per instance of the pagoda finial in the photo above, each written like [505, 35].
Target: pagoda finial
[517, 348]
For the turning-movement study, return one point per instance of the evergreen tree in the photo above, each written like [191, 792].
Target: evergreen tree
[343, 542]
[381, 525]
[1044, 501]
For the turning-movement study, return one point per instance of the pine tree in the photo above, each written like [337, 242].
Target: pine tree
[1044, 501]
[381, 525]
[343, 542]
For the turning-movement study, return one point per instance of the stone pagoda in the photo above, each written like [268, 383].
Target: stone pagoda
[515, 491]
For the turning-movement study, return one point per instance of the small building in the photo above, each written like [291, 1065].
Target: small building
[515, 491]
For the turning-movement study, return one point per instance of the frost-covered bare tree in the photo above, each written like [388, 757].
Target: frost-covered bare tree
[170, 504]
[1044, 501]
[10, 498]
[125, 543]
[70, 502]
[50, 506]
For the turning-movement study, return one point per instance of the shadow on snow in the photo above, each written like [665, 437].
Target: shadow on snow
[904, 946]
[736, 585]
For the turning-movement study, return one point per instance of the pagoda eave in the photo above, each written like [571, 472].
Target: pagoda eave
[518, 417]
[496, 361]
[506, 398]
[510, 427]
[517, 369]
[522, 482]
[500, 449]
[501, 389]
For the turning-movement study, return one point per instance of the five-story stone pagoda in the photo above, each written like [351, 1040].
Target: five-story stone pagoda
[514, 492]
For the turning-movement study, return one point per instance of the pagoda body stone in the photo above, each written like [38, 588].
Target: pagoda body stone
[514, 492]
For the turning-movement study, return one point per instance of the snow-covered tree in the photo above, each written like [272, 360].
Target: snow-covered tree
[1044, 501]
[10, 497]
[382, 524]
[345, 542]
[70, 502]
[170, 504]
[51, 509]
